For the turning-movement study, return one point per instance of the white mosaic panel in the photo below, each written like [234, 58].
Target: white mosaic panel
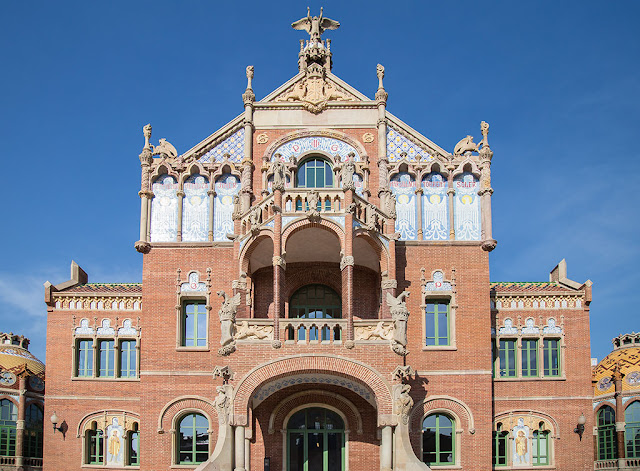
[467, 207]
[164, 210]
[403, 187]
[195, 209]
[435, 208]
[331, 146]
[233, 145]
[227, 186]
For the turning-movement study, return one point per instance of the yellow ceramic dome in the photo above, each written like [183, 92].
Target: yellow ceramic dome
[627, 355]
[14, 353]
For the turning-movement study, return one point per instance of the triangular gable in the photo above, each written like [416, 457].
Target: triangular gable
[403, 138]
[281, 92]
[229, 139]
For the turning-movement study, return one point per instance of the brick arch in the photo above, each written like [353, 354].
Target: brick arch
[185, 403]
[344, 405]
[309, 363]
[247, 250]
[324, 224]
[377, 246]
[441, 403]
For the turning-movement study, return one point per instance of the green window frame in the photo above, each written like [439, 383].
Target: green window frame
[529, 358]
[607, 443]
[8, 423]
[106, 359]
[194, 324]
[437, 323]
[540, 448]
[500, 446]
[95, 446]
[128, 359]
[34, 426]
[315, 302]
[632, 430]
[438, 440]
[315, 172]
[84, 360]
[133, 444]
[551, 351]
[507, 358]
[193, 441]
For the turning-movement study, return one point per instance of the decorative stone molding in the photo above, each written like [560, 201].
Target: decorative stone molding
[227, 314]
[345, 261]
[262, 138]
[279, 261]
[389, 284]
[367, 137]
[98, 302]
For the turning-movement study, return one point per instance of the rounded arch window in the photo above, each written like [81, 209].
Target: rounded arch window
[8, 418]
[315, 172]
[33, 431]
[193, 440]
[438, 437]
[632, 429]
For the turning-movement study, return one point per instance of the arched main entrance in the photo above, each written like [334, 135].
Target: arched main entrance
[315, 440]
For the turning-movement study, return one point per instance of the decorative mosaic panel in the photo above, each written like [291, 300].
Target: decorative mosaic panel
[227, 186]
[127, 329]
[195, 209]
[272, 387]
[397, 144]
[435, 208]
[115, 443]
[357, 179]
[530, 327]
[84, 328]
[329, 145]
[438, 283]
[551, 327]
[508, 328]
[105, 328]
[521, 451]
[403, 187]
[467, 207]
[164, 210]
[232, 145]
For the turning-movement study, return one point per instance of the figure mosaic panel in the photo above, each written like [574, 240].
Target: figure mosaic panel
[467, 207]
[435, 214]
[521, 445]
[164, 210]
[397, 144]
[227, 186]
[195, 209]
[115, 444]
[233, 145]
[403, 187]
[357, 180]
[329, 145]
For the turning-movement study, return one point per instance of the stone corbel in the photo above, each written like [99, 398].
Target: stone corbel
[346, 261]
[389, 284]
[279, 262]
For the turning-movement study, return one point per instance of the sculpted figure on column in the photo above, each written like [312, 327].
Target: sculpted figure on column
[400, 316]
[227, 316]
[348, 170]
[279, 175]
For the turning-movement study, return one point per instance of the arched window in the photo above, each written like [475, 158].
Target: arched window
[164, 209]
[8, 417]
[133, 446]
[227, 188]
[540, 446]
[315, 173]
[500, 440]
[193, 440]
[438, 435]
[33, 431]
[607, 446]
[94, 441]
[315, 302]
[315, 437]
[632, 429]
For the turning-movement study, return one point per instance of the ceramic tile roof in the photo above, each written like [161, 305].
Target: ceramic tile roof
[629, 360]
[12, 356]
[528, 286]
[119, 288]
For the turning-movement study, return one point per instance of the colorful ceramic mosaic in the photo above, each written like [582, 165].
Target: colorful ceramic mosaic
[164, 210]
[328, 145]
[467, 207]
[403, 187]
[397, 144]
[227, 186]
[195, 209]
[438, 283]
[435, 208]
[233, 145]
[194, 284]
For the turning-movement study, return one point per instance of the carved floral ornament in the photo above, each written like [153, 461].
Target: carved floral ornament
[105, 329]
[530, 327]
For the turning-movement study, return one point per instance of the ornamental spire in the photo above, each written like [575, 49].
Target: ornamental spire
[315, 50]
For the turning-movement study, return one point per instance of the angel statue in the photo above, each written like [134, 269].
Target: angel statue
[227, 316]
[400, 316]
[315, 25]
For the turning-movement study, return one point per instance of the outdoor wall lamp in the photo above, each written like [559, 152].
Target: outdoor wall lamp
[54, 421]
[580, 427]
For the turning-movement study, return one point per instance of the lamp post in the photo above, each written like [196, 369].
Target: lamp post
[580, 427]
[54, 421]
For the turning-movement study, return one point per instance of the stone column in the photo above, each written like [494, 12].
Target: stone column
[386, 454]
[383, 170]
[146, 158]
[212, 195]
[279, 266]
[248, 97]
[22, 408]
[488, 242]
[347, 266]
[247, 449]
[180, 195]
[620, 423]
[419, 205]
[450, 195]
[239, 448]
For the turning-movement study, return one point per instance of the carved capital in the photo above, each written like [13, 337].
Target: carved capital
[279, 262]
[143, 246]
[389, 284]
[346, 261]
[381, 96]
[248, 97]
[349, 344]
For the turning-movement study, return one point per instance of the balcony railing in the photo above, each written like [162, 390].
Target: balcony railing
[7, 460]
[306, 331]
[37, 462]
[605, 464]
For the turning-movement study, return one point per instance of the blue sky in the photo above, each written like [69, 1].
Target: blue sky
[558, 82]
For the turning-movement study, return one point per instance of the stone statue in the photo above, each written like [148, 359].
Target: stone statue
[465, 145]
[254, 219]
[222, 403]
[236, 207]
[313, 198]
[315, 25]
[164, 147]
[227, 316]
[279, 175]
[348, 170]
[400, 316]
[372, 217]
[391, 206]
[403, 402]
[249, 76]
[484, 128]
[146, 131]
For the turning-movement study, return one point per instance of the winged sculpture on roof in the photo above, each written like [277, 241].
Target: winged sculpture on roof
[315, 25]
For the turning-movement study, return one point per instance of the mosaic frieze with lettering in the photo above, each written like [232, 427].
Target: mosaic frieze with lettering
[467, 207]
[164, 210]
[435, 208]
[303, 145]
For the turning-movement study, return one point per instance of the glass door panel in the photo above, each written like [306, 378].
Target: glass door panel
[315, 458]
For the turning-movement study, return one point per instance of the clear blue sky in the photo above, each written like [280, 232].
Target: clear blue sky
[558, 82]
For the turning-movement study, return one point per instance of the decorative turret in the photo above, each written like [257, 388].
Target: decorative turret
[315, 50]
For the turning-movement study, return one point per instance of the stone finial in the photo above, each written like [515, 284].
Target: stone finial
[380, 73]
[146, 131]
[250, 76]
[484, 128]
